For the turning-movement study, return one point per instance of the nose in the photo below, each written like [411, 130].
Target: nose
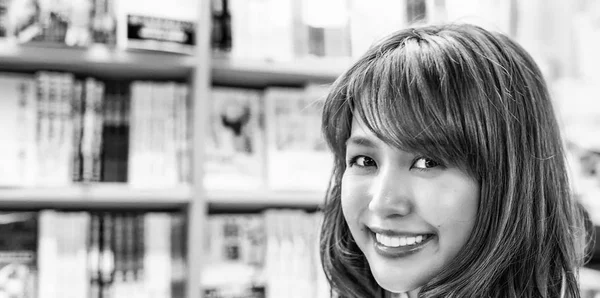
[391, 194]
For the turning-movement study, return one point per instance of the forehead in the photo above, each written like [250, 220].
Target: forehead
[359, 128]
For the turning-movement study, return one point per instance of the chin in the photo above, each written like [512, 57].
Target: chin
[396, 283]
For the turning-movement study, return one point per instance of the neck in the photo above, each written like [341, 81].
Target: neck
[410, 294]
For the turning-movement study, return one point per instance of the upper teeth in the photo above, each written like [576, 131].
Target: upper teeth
[393, 241]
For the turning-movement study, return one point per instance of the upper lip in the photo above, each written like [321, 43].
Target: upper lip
[396, 233]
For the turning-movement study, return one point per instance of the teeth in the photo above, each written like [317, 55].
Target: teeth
[392, 241]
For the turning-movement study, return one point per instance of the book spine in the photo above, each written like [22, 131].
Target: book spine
[98, 126]
[47, 253]
[169, 134]
[157, 257]
[94, 255]
[77, 112]
[30, 108]
[110, 137]
[87, 141]
[186, 133]
[124, 131]
[178, 267]
[129, 254]
[120, 256]
[134, 135]
[66, 132]
[140, 253]
[81, 278]
[107, 256]
[43, 124]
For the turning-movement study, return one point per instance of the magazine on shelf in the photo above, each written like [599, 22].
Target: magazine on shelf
[235, 143]
[61, 22]
[298, 158]
[152, 25]
[271, 254]
[235, 255]
[18, 254]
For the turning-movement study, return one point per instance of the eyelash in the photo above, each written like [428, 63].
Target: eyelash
[353, 162]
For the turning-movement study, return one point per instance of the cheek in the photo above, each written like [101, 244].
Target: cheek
[353, 199]
[452, 209]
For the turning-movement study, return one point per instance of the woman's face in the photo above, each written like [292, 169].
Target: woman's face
[409, 214]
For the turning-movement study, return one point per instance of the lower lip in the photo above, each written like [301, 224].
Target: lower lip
[400, 251]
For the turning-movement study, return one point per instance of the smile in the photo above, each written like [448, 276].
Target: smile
[393, 241]
[398, 246]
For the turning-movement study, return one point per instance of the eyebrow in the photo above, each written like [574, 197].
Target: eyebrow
[361, 141]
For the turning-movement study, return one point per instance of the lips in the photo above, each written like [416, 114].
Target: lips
[395, 244]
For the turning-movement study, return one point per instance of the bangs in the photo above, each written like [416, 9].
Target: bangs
[410, 97]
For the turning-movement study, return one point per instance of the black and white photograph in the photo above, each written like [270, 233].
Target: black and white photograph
[299, 148]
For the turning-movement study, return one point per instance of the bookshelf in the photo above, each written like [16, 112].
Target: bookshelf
[95, 196]
[104, 62]
[257, 200]
[202, 70]
[96, 60]
[262, 73]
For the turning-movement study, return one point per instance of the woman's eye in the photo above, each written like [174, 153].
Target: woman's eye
[363, 162]
[425, 163]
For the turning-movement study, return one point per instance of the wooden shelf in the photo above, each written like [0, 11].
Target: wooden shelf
[96, 60]
[263, 73]
[100, 195]
[108, 62]
[257, 200]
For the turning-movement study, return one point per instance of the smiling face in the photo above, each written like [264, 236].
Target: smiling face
[409, 214]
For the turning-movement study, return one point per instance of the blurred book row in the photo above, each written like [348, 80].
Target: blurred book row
[334, 28]
[267, 138]
[136, 24]
[268, 255]
[59, 129]
[52, 254]
[298, 29]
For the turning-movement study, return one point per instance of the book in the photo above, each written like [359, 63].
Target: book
[328, 34]
[114, 134]
[235, 145]
[103, 22]
[235, 255]
[4, 6]
[221, 25]
[157, 255]
[273, 253]
[18, 134]
[294, 140]
[18, 254]
[159, 134]
[77, 23]
[147, 25]
[101, 254]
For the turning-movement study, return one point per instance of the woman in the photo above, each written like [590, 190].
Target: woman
[450, 178]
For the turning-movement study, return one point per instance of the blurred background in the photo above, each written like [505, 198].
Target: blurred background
[172, 148]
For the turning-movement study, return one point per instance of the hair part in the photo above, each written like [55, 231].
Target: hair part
[477, 100]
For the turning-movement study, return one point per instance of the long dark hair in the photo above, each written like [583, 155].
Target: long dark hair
[463, 94]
